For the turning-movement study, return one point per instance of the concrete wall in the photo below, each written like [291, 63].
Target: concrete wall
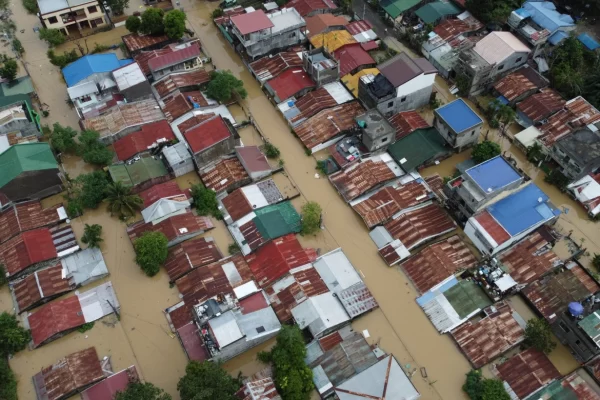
[259, 43]
[485, 79]
[214, 152]
[460, 140]
[26, 127]
[184, 66]
[183, 168]
[89, 16]
[571, 168]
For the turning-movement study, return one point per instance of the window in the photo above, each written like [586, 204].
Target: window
[293, 34]
[500, 68]
[472, 133]
[390, 104]
[260, 329]
[52, 20]
[564, 327]
[519, 59]
[384, 140]
[402, 100]
[85, 99]
[92, 9]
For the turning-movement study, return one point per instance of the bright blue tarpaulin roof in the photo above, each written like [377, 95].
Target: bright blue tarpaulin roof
[92, 64]
[493, 174]
[588, 41]
[545, 15]
[557, 37]
[459, 115]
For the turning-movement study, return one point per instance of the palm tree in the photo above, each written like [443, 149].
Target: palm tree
[505, 116]
[121, 201]
[92, 235]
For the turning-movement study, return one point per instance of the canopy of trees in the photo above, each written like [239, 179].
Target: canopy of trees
[142, 391]
[13, 337]
[480, 388]
[311, 218]
[223, 86]
[62, 138]
[133, 24]
[9, 70]
[484, 151]
[152, 22]
[54, 37]
[205, 201]
[118, 6]
[121, 201]
[569, 63]
[86, 191]
[175, 24]
[539, 335]
[151, 252]
[207, 381]
[492, 11]
[92, 150]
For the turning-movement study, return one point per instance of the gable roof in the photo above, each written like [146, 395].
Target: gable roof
[305, 7]
[143, 140]
[189, 255]
[207, 134]
[418, 148]
[541, 105]
[25, 157]
[252, 22]
[172, 82]
[289, 83]
[431, 12]
[28, 215]
[328, 123]
[333, 40]
[26, 249]
[406, 122]
[498, 46]
[167, 190]
[175, 57]
[319, 22]
[172, 227]
[224, 174]
[402, 68]
[527, 372]
[92, 64]
[163, 208]
[351, 57]
[396, 7]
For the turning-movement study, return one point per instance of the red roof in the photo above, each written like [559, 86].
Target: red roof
[529, 259]
[305, 7]
[168, 190]
[514, 85]
[26, 216]
[578, 112]
[361, 177]
[172, 227]
[226, 173]
[135, 42]
[193, 121]
[527, 372]
[254, 302]
[252, 22]
[271, 66]
[276, 258]
[174, 107]
[108, 388]
[357, 27]
[191, 254]
[207, 134]
[55, 317]
[175, 57]
[289, 83]
[492, 227]
[145, 56]
[406, 122]
[252, 159]
[27, 249]
[320, 22]
[328, 123]
[143, 139]
[370, 45]
[40, 285]
[192, 344]
[351, 57]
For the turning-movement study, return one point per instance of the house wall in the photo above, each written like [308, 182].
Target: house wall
[83, 9]
[263, 42]
[572, 168]
[241, 346]
[182, 168]
[485, 77]
[183, 66]
[34, 185]
[410, 96]
[222, 148]
[382, 142]
[459, 141]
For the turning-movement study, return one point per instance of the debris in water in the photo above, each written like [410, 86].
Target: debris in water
[366, 334]
[317, 176]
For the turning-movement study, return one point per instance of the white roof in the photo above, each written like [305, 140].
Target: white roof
[498, 46]
[339, 93]
[82, 90]
[164, 208]
[284, 19]
[319, 313]
[97, 302]
[226, 329]
[255, 197]
[528, 136]
[83, 266]
[245, 290]
[128, 76]
[336, 270]
[177, 153]
[586, 189]
[505, 283]
[270, 6]
[365, 36]
[4, 144]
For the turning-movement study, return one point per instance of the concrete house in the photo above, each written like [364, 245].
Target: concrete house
[377, 133]
[458, 124]
[320, 66]
[178, 159]
[578, 154]
[494, 56]
[403, 84]
[211, 139]
[74, 18]
[182, 59]
[17, 118]
[260, 33]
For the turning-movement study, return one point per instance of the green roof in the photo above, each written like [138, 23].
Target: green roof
[25, 157]
[145, 169]
[119, 173]
[556, 391]
[591, 325]
[18, 86]
[431, 12]
[396, 7]
[277, 220]
[467, 297]
[417, 148]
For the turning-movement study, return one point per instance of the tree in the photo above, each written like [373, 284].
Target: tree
[205, 201]
[92, 150]
[88, 190]
[118, 6]
[223, 85]
[595, 261]
[175, 24]
[491, 11]
[8, 382]
[463, 83]
[152, 22]
[13, 337]
[151, 252]
[142, 391]
[479, 388]
[539, 335]
[64, 59]
[18, 46]
[121, 201]
[271, 151]
[207, 381]
[311, 218]
[217, 12]
[535, 153]
[9, 70]
[3, 278]
[54, 37]
[505, 115]
[32, 8]
[62, 138]
[293, 378]
[133, 24]
[484, 151]
[92, 235]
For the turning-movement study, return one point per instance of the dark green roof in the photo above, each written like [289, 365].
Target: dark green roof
[18, 86]
[25, 157]
[591, 325]
[145, 169]
[431, 12]
[396, 7]
[417, 148]
[277, 220]
[467, 297]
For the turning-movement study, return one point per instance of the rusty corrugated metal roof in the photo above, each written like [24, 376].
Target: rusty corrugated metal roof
[330, 341]
[39, 286]
[541, 105]
[492, 227]
[406, 122]
[175, 81]
[124, 116]
[236, 204]
[26, 216]
[191, 254]
[167, 190]
[172, 227]
[26, 249]
[193, 121]
[527, 371]
[135, 42]
[327, 124]
[145, 56]
[514, 85]
[181, 103]
[224, 174]
[437, 262]
[312, 103]
[271, 66]
[360, 178]
[529, 259]
[578, 112]
[54, 318]
[484, 340]
[436, 184]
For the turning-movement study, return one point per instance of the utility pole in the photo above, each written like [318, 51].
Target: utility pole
[364, 9]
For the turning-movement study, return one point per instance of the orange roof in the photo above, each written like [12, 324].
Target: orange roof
[320, 22]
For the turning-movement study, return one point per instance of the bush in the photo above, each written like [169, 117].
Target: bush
[92, 150]
[89, 190]
[223, 86]
[64, 59]
[99, 48]
[142, 391]
[3, 278]
[217, 12]
[322, 166]
[595, 261]
[118, 6]
[31, 6]
[54, 37]
[85, 327]
[9, 70]
[311, 218]
[18, 46]
[233, 249]
[175, 24]
[205, 201]
[479, 388]
[152, 22]
[557, 178]
[151, 252]
[206, 381]
[133, 24]
[62, 138]
[13, 337]
[539, 335]
[8, 382]
[271, 151]
[484, 151]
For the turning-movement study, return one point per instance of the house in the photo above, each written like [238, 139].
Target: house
[320, 315]
[479, 185]
[463, 25]
[95, 68]
[16, 218]
[406, 122]
[377, 133]
[72, 271]
[443, 54]
[224, 175]
[30, 171]
[178, 82]
[458, 124]
[436, 11]
[189, 255]
[135, 43]
[182, 104]
[538, 23]
[290, 83]
[178, 159]
[259, 386]
[332, 41]
[577, 113]
[270, 67]
[19, 122]
[132, 83]
[254, 162]
[353, 58]
[308, 8]
[140, 174]
[165, 208]
[494, 56]
[150, 138]
[537, 108]
[510, 219]
[176, 228]
[419, 149]
[323, 23]
[514, 87]
[61, 317]
[578, 154]
[396, 9]
[211, 139]
[351, 81]
[320, 66]
[403, 84]
[587, 193]
[109, 387]
[72, 18]
[260, 33]
[70, 375]
[578, 384]
[183, 57]
[244, 200]
[167, 190]
[575, 326]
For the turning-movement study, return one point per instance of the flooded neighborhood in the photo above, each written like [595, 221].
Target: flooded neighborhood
[299, 199]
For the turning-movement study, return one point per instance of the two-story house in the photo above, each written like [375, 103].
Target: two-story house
[403, 84]
[458, 124]
[72, 17]
[211, 139]
[578, 154]
[183, 58]
[259, 33]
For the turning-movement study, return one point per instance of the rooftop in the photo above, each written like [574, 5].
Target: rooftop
[527, 372]
[124, 116]
[436, 10]
[329, 123]
[25, 157]
[541, 105]
[224, 174]
[243, 201]
[406, 122]
[128, 76]
[493, 175]
[113, 384]
[147, 138]
[135, 42]
[451, 28]
[92, 64]
[189, 255]
[143, 170]
[576, 385]
[168, 190]
[289, 83]
[178, 56]
[144, 57]
[172, 227]
[544, 14]
[578, 112]
[270, 67]
[320, 313]
[181, 103]
[27, 249]
[164, 208]
[418, 148]
[333, 40]
[402, 68]
[459, 116]
[514, 85]
[351, 57]
[207, 134]
[396, 7]
[253, 160]
[498, 46]
[351, 81]
[305, 7]
[252, 22]
[28, 215]
[582, 146]
[172, 82]
[319, 22]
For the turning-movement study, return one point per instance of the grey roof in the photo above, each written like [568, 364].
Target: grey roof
[384, 380]
[320, 313]
[252, 324]
[401, 69]
[374, 124]
[583, 145]
[84, 265]
[98, 302]
[164, 208]
[176, 154]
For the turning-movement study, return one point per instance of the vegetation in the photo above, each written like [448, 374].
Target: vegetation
[151, 252]
[557, 178]
[3, 278]
[31, 7]
[217, 12]
[502, 113]
[595, 261]
[484, 151]
[54, 37]
[435, 103]
[293, 378]
[535, 153]
[568, 65]
[174, 22]
[207, 381]
[271, 151]
[121, 201]
[85, 327]
[87, 191]
[492, 11]
[62, 138]
[9, 70]
[479, 388]
[311, 218]
[142, 391]
[205, 201]
[539, 335]
[152, 22]
[92, 150]
[118, 6]
[463, 83]
[64, 59]
[92, 235]
[223, 86]
[133, 24]
[18, 46]
[13, 337]
[8, 382]
[322, 166]
[99, 48]
[233, 249]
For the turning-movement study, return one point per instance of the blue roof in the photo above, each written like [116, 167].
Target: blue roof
[523, 210]
[523, 12]
[502, 100]
[557, 37]
[588, 41]
[545, 15]
[91, 64]
[459, 116]
[493, 174]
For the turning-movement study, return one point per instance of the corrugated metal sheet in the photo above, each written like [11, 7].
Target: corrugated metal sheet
[305, 7]
[224, 174]
[351, 57]
[261, 389]
[68, 375]
[26, 249]
[484, 340]
[575, 386]
[310, 104]
[144, 57]
[40, 285]
[527, 371]
[289, 83]
[26, 216]
[359, 26]
[172, 82]
[327, 124]
[330, 341]
[191, 254]
[192, 343]
[529, 259]
[54, 318]
[207, 134]
[577, 113]
[406, 122]
[360, 178]
[167, 190]
[333, 40]
[436, 184]
[541, 105]
[179, 56]
[173, 227]
[514, 85]
[194, 120]
[437, 262]
[357, 299]
[492, 227]
[270, 67]
[236, 204]
[108, 388]
[135, 42]
[125, 116]
[451, 28]
[143, 140]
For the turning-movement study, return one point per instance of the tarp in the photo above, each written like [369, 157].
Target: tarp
[588, 41]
